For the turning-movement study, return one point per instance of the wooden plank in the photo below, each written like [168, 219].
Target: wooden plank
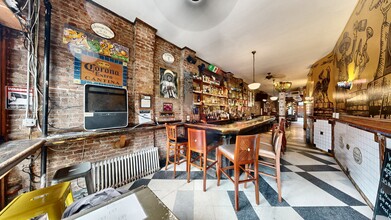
[377, 125]
[13, 152]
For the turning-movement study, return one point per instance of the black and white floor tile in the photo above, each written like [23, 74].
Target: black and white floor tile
[313, 187]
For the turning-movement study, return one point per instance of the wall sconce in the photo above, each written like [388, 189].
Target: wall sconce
[345, 85]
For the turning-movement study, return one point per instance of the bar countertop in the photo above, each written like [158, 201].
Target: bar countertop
[12, 152]
[234, 128]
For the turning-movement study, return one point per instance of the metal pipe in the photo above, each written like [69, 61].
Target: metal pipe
[29, 40]
[46, 60]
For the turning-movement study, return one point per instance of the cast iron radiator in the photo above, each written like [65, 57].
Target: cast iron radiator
[118, 171]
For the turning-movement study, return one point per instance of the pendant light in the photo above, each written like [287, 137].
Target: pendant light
[254, 85]
[273, 98]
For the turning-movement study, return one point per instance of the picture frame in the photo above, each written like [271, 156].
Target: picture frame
[167, 107]
[168, 85]
[145, 101]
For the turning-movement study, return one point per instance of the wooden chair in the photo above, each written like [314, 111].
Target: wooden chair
[242, 154]
[273, 155]
[197, 143]
[175, 144]
[268, 137]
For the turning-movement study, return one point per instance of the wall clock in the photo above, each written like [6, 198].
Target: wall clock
[168, 58]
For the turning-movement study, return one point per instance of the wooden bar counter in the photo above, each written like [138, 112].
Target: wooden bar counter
[235, 128]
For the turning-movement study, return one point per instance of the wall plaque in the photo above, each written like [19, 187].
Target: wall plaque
[357, 155]
[102, 30]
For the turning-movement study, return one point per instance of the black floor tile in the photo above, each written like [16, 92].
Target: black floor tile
[327, 213]
[140, 182]
[345, 198]
[270, 194]
[313, 168]
[246, 211]
[317, 158]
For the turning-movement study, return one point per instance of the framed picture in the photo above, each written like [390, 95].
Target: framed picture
[145, 101]
[168, 84]
[167, 107]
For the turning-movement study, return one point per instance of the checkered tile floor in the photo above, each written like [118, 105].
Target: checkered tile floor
[313, 187]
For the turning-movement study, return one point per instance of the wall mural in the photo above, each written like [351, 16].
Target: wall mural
[379, 87]
[361, 58]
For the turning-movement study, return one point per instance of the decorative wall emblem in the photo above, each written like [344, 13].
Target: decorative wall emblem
[341, 143]
[102, 30]
[357, 155]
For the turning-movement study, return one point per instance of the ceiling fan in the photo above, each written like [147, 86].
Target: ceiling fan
[269, 76]
[196, 15]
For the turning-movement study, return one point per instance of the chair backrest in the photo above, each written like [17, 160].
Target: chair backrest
[171, 132]
[196, 139]
[282, 124]
[278, 143]
[246, 149]
[275, 130]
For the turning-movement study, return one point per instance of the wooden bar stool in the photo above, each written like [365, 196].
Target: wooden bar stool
[274, 155]
[197, 143]
[243, 154]
[175, 144]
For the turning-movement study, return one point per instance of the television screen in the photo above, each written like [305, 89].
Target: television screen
[105, 99]
[105, 107]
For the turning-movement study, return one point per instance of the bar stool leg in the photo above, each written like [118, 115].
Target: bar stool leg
[204, 158]
[236, 183]
[89, 183]
[167, 155]
[218, 171]
[188, 167]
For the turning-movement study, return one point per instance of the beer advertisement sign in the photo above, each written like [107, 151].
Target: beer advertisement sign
[99, 70]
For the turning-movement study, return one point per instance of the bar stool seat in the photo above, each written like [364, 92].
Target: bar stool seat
[74, 172]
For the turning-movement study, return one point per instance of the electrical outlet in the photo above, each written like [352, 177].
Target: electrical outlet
[29, 122]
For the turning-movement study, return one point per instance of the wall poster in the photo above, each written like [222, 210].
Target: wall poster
[97, 69]
[168, 84]
[16, 97]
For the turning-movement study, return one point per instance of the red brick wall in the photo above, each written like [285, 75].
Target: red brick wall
[162, 46]
[66, 97]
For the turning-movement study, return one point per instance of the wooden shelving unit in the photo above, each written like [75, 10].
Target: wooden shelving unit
[210, 96]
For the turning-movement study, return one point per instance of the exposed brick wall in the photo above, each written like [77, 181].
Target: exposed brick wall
[66, 97]
[162, 46]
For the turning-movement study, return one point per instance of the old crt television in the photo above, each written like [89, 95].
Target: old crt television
[105, 107]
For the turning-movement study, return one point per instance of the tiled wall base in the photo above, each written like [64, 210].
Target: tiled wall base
[322, 135]
[358, 154]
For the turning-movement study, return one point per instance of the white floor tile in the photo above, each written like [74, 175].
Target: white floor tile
[365, 210]
[294, 168]
[277, 213]
[299, 159]
[224, 213]
[304, 193]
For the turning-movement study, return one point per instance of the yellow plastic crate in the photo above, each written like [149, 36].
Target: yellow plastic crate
[51, 200]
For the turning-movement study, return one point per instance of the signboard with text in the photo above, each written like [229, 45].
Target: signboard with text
[17, 97]
[97, 69]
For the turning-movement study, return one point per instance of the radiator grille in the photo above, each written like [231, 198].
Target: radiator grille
[118, 171]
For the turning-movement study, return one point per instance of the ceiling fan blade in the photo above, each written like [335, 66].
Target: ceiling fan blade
[195, 15]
